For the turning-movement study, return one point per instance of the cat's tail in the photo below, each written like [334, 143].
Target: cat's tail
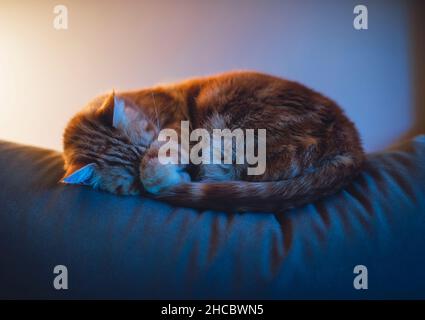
[268, 196]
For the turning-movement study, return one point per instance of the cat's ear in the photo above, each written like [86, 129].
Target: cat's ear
[106, 110]
[124, 115]
[79, 175]
[117, 112]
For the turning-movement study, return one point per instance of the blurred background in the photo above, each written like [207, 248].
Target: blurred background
[47, 75]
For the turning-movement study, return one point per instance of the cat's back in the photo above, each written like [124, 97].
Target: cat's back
[248, 84]
[250, 87]
[237, 79]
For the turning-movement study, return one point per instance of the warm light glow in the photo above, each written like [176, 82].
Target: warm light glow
[47, 75]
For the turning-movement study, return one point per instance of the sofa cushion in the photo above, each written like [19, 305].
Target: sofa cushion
[133, 247]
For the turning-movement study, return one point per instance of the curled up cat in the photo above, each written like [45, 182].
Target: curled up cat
[310, 148]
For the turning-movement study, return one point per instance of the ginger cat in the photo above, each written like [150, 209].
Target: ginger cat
[312, 148]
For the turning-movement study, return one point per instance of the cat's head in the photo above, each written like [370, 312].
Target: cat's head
[104, 144]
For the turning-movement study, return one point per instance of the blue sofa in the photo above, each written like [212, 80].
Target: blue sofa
[133, 247]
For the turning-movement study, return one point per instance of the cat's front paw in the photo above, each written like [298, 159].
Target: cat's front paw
[156, 177]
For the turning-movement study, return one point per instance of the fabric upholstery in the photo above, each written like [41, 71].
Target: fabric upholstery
[133, 247]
